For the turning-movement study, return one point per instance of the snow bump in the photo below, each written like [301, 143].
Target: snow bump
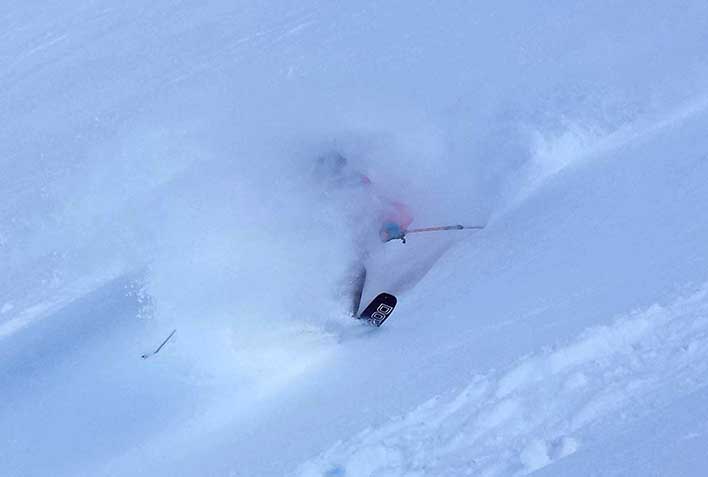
[516, 421]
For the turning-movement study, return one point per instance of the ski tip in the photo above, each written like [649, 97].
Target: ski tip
[379, 309]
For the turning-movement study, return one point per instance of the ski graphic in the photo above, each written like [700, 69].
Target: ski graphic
[379, 309]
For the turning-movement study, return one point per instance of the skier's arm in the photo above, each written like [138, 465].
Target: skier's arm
[395, 222]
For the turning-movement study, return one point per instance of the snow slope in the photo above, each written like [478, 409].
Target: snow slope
[155, 174]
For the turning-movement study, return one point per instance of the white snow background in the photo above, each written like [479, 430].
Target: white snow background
[156, 174]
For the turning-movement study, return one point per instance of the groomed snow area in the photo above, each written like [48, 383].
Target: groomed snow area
[156, 174]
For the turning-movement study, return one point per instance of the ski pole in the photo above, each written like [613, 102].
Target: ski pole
[147, 355]
[443, 227]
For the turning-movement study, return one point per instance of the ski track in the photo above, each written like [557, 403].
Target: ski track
[14, 319]
[516, 421]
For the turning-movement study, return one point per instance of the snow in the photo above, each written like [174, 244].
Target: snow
[156, 174]
[518, 420]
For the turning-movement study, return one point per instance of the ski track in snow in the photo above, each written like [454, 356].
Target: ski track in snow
[516, 421]
[576, 145]
[13, 320]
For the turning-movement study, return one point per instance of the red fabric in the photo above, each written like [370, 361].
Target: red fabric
[399, 214]
[396, 212]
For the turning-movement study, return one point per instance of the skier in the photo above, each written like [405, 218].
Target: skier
[373, 210]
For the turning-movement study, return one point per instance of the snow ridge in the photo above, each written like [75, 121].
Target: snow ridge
[516, 421]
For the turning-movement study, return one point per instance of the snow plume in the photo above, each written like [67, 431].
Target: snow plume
[531, 149]
[252, 255]
[236, 240]
[85, 212]
[552, 152]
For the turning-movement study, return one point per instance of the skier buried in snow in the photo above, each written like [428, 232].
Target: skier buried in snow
[390, 219]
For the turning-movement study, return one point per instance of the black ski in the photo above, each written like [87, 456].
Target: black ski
[379, 309]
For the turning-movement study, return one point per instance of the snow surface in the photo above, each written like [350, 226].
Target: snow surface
[156, 174]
